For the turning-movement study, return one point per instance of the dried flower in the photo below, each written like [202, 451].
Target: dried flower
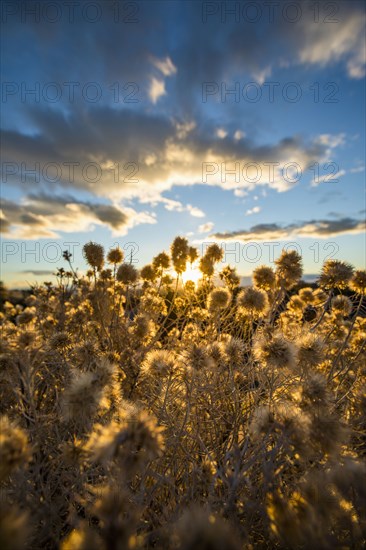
[127, 274]
[158, 363]
[342, 305]
[289, 268]
[264, 277]
[335, 274]
[358, 282]
[310, 350]
[219, 298]
[94, 255]
[253, 301]
[179, 251]
[115, 256]
[276, 352]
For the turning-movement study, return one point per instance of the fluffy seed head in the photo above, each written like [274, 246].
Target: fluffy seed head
[358, 282]
[335, 274]
[289, 268]
[127, 274]
[253, 300]
[94, 254]
[219, 298]
[276, 352]
[264, 277]
[179, 252]
[115, 256]
[158, 363]
[342, 305]
[310, 350]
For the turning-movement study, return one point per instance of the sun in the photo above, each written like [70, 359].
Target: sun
[192, 273]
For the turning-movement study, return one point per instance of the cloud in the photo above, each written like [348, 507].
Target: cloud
[357, 169]
[331, 178]
[165, 66]
[124, 154]
[254, 210]
[221, 133]
[327, 43]
[156, 89]
[307, 229]
[43, 216]
[194, 211]
[39, 272]
[205, 227]
[238, 135]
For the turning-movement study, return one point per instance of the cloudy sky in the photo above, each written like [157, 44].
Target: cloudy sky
[133, 122]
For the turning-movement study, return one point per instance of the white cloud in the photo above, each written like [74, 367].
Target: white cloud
[221, 133]
[327, 178]
[327, 43]
[239, 135]
[261, 75]
[196, 212]
[357, 169]
[157, 89]
[165, 66]
[254, 210]
[205, 227]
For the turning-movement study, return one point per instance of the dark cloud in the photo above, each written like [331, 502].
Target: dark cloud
[42, 216]
[312, 228]
[40, 272]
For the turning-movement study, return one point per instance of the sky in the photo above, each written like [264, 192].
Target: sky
[130, 123]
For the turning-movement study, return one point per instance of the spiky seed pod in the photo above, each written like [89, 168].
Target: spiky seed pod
[26, 338]
[159, 363]
[179, 252]
[148, 273]
[218, 299]
[127, 274]
[59, 340]
[214, 252]
[341, 305]
[82, 399]
[289, 268]
[207, 266]
[307, 295]
[235, 349]
[264, 277]
[230, 277]
[115, 256]
[314, 389]
[358, 282]
[94, 255]
[253, 301]
[276, 352]
[310, 350]
[335, 274]
[161, 261]
[136, 439]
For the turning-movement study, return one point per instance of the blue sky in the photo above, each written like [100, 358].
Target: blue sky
[129, 130]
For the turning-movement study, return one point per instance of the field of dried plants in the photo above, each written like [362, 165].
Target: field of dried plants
[140, 410]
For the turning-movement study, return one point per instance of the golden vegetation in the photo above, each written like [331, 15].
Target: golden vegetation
[141, 410]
